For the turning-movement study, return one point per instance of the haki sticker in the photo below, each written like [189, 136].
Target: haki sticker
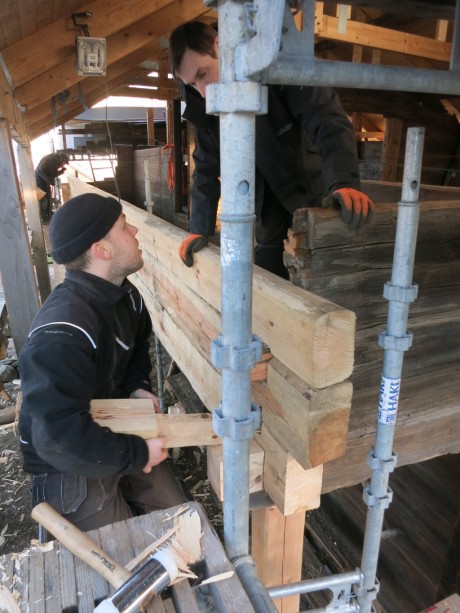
[388, 400]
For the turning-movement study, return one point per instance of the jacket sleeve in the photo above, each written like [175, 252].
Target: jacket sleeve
[205, 190]
[328, 126]
[140, 366]
[58, 380]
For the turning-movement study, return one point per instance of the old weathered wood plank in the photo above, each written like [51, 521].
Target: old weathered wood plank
[183, 597]
[52, 582]
[68, 581]
[37, 593]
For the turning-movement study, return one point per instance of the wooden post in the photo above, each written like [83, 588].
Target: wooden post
[150, 127]
[34, 223]
[18, 277]
[277, 547]
[169, 122]
[177, 157]
[391, 147]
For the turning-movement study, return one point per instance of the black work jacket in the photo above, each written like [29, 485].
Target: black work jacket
[89, 340]
[305, 148]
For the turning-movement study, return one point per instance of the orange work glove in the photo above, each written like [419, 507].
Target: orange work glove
[356, 207]
[192, 244]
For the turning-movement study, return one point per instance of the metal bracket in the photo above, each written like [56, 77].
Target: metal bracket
[375, 502]
[238, 96]
[362, 591]
[400, 294]
[384, 466]
[237, 430]
[83, 26]
[225, 356]
[397, 343]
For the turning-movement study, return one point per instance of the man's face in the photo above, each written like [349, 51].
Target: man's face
[127, 257]
[199, 70]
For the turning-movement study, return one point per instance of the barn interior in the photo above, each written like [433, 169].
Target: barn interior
[318, 379]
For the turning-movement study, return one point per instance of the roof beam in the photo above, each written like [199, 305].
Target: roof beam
[365, 34]
[55, 43]
[63, 76]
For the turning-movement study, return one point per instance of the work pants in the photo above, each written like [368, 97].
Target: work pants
[92, 503]
[272, 223]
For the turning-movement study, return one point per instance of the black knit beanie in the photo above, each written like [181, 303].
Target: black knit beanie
[80, 222]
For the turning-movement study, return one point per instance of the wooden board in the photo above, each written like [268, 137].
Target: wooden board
[50, 579]
[137, 416]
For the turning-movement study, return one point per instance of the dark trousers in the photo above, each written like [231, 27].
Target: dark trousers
[92, 503]
[271, 227]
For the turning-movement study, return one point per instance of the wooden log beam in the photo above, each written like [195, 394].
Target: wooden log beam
[291, 488]
[137, 416]
[313, 337]
[311, 423]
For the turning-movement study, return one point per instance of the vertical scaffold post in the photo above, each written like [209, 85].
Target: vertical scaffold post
[395, 340]
[236, 350]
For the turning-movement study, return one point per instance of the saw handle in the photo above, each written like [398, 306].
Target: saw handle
[80, 544]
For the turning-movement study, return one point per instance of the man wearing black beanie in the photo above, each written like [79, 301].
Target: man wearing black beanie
[91, 340]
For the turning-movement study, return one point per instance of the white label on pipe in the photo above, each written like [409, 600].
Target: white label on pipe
[388, 400]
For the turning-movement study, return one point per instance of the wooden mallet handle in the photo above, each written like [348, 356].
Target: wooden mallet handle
[80, 544]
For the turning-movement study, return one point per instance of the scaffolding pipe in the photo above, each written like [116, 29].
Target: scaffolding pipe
[235, 351]
[315, 585]
[254, 588]
[395, 340]
[296, 63]
[300, 71]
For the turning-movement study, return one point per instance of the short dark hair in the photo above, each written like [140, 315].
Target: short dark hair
[194, 35]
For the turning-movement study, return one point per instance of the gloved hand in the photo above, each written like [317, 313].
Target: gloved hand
[356, 207]
[191, 244]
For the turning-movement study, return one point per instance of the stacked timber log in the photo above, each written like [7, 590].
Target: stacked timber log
[351, 269]
[306, 397]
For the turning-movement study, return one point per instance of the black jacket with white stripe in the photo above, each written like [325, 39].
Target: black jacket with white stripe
[89, 340]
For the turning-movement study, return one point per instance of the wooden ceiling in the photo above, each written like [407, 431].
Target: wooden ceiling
[37, 45]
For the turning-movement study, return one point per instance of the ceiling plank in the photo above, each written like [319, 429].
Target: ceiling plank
[9, 19]
[383, 38]
[35, 54]
[122, 43]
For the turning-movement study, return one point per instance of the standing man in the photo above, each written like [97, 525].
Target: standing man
[48, 170]
[305, 152]
[91, 340]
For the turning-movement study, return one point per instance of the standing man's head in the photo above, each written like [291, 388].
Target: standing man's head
[90, 233]
[194, 55]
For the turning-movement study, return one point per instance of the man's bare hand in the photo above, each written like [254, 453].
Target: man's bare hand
[157, 453]
[141, 393]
